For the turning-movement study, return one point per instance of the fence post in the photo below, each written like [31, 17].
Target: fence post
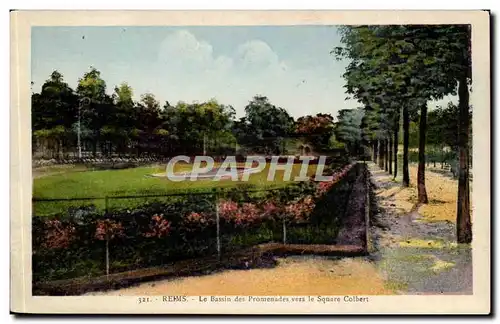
[217, 218]
[107, 255]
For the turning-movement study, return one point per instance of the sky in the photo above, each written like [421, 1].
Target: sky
[291, 65]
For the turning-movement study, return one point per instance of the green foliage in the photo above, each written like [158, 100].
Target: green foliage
[316, 130]
[444, 126]
[91, 85]
[193, 127]
[117, 124]
[391, 66]
[348, 128]
[264, 126]
[124, 94]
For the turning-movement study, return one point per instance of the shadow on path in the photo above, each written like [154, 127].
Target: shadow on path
[416, 256]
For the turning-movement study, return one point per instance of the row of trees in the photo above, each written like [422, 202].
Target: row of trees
[116, 124]
[441, 136]
[394, 71]
[64, 119]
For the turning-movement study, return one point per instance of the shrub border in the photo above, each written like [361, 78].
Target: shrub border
[249, 258]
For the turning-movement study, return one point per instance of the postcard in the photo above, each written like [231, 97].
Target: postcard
[250, 162]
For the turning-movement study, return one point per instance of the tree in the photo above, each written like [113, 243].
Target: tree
[99, 111]
[148, 121]
[54, 111]
[124, 126]
[267, 124]
[460, 51]
[200, 127]
[416, 64]
[318, 129]
[372, 78]
[348, 130]
[403, 59]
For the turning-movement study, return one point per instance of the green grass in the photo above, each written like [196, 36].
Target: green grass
[72, 183]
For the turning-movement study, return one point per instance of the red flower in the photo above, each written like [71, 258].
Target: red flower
[247, 214]
[159, 227]
[197, 220]
[324, 186]
[108, 229]
[271, 210]
[228, 210]
[300, 210]
[58, 235]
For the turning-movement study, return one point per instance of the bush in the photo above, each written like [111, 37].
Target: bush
[75, 244]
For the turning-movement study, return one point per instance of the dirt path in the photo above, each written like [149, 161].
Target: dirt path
[293, 276]
[415, 250]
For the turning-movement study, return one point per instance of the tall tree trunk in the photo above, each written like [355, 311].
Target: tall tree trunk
[386, 156]
[57, 150]
[422, 192]
[464, 226]
[381, 154]
[375, 151]
[396, 144]
[102, 148]
[390, 154]
[406, 141]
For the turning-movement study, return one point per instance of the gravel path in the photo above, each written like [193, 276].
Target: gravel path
[293, 276]
[415, 255]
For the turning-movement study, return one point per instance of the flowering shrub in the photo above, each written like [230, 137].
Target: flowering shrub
[324, 186]
[159, 227]
[108, 229]
[271, 210]
[194, 221]
[249, 213]
[228, 210]
[246, 214]
[58, 235]
[298, 211]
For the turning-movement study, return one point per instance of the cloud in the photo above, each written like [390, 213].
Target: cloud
[182, 46]
[251, 68]
[183, 52]
[256, 54]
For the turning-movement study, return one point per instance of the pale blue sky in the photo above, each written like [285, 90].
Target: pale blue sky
[291, 64]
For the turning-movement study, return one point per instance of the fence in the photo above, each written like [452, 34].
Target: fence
[126, 162]
[169, 228]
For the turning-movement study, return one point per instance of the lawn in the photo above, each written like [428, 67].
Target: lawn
[77, 182]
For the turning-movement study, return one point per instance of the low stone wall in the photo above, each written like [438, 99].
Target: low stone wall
[97, 161]
[147, 160]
